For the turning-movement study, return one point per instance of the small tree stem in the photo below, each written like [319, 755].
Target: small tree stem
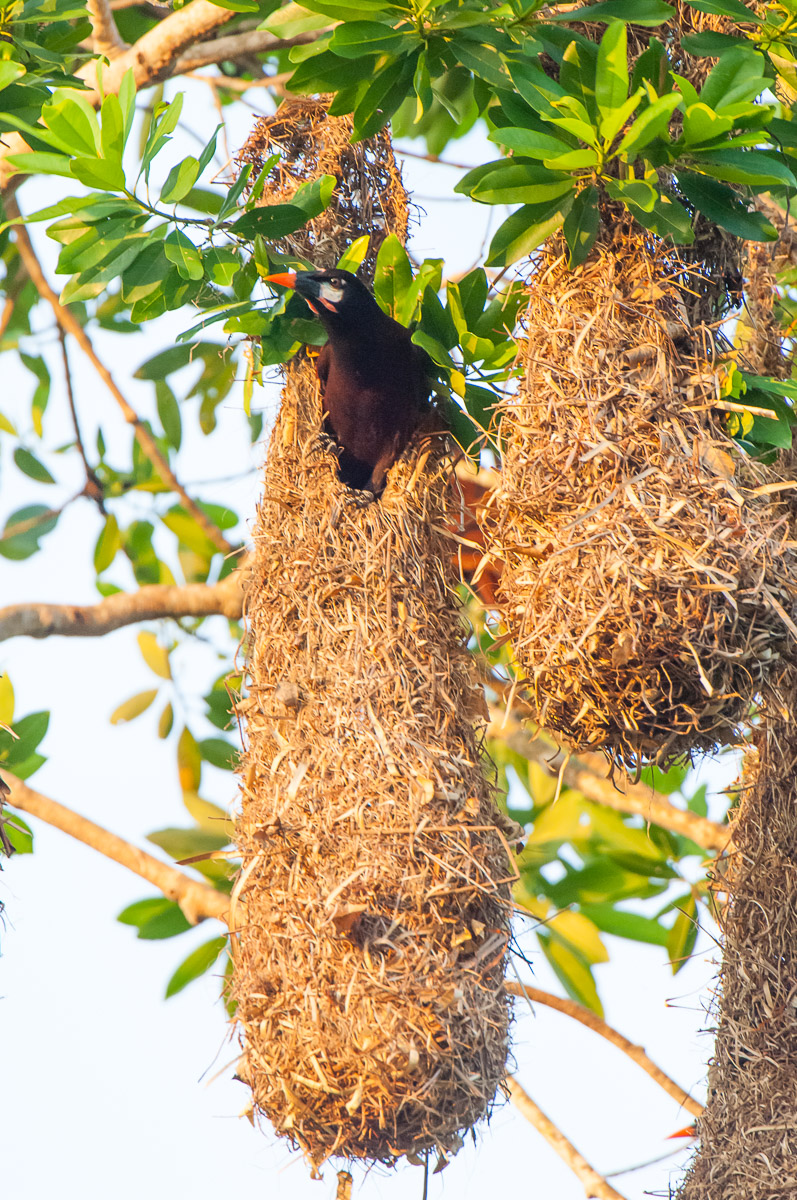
[579, 1013]
[197, 900]
[69, 323]
[594, 1184]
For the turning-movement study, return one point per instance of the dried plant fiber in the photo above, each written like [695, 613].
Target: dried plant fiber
[647, 574]
[368, 196]
[748, 1132]
[371, 915]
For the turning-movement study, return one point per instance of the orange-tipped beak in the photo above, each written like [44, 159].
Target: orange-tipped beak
[285, 279]
[689, 1131]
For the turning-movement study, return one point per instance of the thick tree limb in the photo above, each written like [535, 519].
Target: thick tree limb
[106, 38]
[579, 1013]
[197, 900]
[124, 608]
[154, 56]
[594, 1184]
[70, 324]
[582, 773]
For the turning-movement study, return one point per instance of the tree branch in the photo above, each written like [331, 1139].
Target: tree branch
[106, 37]
[594, 1184]
[197, 900]
[582, 774]
[154, 56]
[69, 323]
[237, 45]
[124, 608]
[579, 1013]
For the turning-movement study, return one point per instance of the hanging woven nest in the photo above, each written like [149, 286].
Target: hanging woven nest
[368, 197]
[371, 915]
[645, 575]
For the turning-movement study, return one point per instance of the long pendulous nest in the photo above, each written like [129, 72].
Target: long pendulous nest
[368, 197]
[371, 915]
[748, 1132]
[648, 576]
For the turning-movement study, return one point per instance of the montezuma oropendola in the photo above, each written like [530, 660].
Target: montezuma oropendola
[375, 382]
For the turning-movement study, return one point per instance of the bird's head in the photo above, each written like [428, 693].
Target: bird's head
[336, 297]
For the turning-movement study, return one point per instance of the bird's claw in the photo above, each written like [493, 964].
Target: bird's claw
[323, 443]
[359, 497]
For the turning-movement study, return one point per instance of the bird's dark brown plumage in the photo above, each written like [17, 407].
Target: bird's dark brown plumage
[375, 382]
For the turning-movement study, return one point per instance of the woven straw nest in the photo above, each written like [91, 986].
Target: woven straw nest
[368, 197]
[647, 577]
[371, 915]
[748, 1132]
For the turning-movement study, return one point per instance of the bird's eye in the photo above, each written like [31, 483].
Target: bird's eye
[335, 281]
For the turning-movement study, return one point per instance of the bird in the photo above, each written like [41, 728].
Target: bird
[375, 382]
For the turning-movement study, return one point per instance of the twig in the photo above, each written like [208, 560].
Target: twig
[579, 1013]
[594, 1184]
[69, 323]
[236, 46]
[106, 37]
[93, 488]
[578, 773]
[197, 900]
[124, 608]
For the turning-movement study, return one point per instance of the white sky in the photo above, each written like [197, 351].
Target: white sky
[104, 1087]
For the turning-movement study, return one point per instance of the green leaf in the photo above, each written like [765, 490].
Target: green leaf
[385, 93]
[189, 532]
[526, 229]
[683, 935]
[572, 972]
[293, 19]
[724, 206]
[133, 707]
[523, 184]
[166, 721]
[180, 180]
[29, 465]
[727, 8]
[756, 168]
[155, 656]
[626, 924]
[712, 45]
[169, 413]
[197, 963]
[271, 221]
[393, 274]
[99, 173]
[637, 12]
[530, 142]
[649, 124]
[611, 73]
[186, 843]
[667, 218]
[180, 250]
[108, 544]
[73, 125]
[355, 38]
[637, 192]
[581, 225]
[30, 731]
[219, 753]
[354, 255]
[314, 196]
[155, 919]
[30, 523]
[113, 128]
[189, 762]
[40, 163]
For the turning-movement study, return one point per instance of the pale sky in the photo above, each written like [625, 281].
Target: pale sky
[106, 1089]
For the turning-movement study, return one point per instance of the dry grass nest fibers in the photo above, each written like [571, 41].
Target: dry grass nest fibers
[648, 577]
[368, 197]
[371, 914]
